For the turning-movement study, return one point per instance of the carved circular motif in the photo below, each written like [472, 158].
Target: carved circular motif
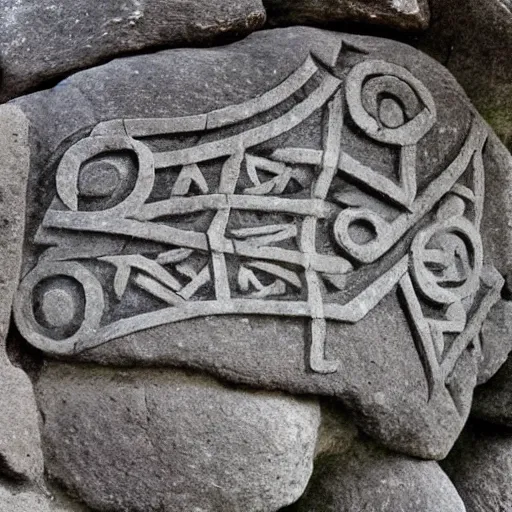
[71, 183]
[353, 219]
[57, 307]
[98, 179]
[388, 103]
[447, 260]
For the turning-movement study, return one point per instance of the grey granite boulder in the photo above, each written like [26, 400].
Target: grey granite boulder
[21, 497]
[404, 15]
[480, 466]
[493, 400]
[496, 341]
[20, 450]
[44, 40]
[298, 211]
[337, 430]
[14, 498]
[469, 36]
[472, 38]
[369, 479]
[165, 440]
[497, 235]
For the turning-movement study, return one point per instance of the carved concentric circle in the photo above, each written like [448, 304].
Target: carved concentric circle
[389, 104]
[447, 260]
[69, 180]
[42, 314]
[365, 220]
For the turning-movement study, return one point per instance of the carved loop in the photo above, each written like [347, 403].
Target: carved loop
[389, 104]
[68, 172]
[33, 329]
[455, 248]
[361, 219]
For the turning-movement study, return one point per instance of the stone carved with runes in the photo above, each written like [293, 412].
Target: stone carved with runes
[229, 212]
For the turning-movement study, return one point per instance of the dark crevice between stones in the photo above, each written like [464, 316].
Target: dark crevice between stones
[22, 354]
[13, 477]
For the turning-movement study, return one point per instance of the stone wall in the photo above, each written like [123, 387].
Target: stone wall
[256, 256]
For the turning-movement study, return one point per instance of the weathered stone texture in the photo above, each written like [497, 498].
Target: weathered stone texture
[493, 400]
[496, 336]
[369, 479]
[21, 499]
[337, 430]
[18, 497]
[497, 235]
[473, 39]
[46, 39]
[144, 440]
[20, 451]
[480, 466]
[412, 399]
[404, 15]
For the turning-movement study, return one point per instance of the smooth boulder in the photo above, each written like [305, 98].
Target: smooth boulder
[167, 440]
[368, 478]
[44, 41]
[480, 466]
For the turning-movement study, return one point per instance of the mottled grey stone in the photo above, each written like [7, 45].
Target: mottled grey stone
[469, 36]
[496, 336]
[337, 430]
[493, 400]
[370, 479]
[143, 440]
[20, 451]
[22, 499]
[405, 15]
[17, 497]
[379, 371]
[480, 466]
[47, 39]
[496, 232]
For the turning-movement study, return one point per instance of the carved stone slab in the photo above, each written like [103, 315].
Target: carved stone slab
[299, 211]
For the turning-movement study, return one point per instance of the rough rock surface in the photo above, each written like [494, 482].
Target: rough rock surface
[469, 36]
[497, 235]
[46, 39]
[337, 430]
[144, 440]
[473, 39]
[480, 466]
[493, 400]
[395, 392]
[369, 479]
[20, 451]
[21, 499]
[16, 497]
[410, 15]
[496, 339]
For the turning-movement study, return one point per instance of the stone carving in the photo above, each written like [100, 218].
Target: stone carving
[211, 241]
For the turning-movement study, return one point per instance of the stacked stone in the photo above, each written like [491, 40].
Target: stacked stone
[345, 386]
[480, 464]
